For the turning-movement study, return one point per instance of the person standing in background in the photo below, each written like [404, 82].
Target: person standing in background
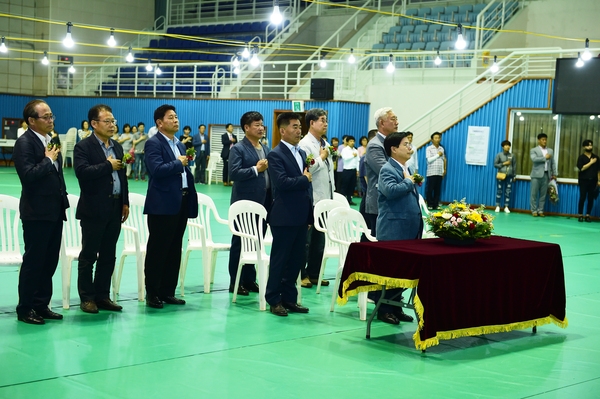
[350, 173]
[202, 147]
[506, 164]
[413, 162]
[589, 171]
[543, 169]
[436, 171]
[228, 139]
[139, 142]
[84, 131]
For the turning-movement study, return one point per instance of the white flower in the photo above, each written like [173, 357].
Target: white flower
[446, 215]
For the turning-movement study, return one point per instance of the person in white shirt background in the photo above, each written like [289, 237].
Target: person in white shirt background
[348, 181]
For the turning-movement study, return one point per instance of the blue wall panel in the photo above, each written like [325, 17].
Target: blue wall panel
[345, 117]
[477, 183]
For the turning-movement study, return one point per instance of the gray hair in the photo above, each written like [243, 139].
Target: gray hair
[380, 114]
[314, 114]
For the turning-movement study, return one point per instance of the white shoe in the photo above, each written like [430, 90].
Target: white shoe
[497, 209]
[506, 210]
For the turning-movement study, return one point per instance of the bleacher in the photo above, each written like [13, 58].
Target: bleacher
[434, 28]
[215, 43]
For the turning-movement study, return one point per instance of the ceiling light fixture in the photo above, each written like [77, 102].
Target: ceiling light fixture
[111, 40]
[45, 59]
[351, 59]
[129, 57]
[68, 40]
[586, 56]
[460, 43]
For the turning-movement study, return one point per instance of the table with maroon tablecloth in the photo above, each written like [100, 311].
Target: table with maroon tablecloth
[495, 285]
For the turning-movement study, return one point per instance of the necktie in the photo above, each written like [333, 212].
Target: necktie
[326, 159]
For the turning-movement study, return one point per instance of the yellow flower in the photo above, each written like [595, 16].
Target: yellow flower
[437, 214]
[475, 217]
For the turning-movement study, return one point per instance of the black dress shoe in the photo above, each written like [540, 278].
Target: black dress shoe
[389, 318]
[32, 318]
[107, 304]
[251, 287]
[89, 307]
[171, 300]
[48, 314]
[399, 313]
[241, 290]
[294, 307]
[154, 302]
[278, 310]
[324, 283]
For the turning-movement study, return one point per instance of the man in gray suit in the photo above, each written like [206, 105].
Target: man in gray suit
[375, 157]
[543, 170]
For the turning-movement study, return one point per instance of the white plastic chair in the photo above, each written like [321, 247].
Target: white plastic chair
[213, 162]
[200, 239]
[340, 198]
[344, 227]
[246, 220]
[427, 233]
[331, 250]
[135, 231]
[10, 246]
[70, 247]
[68, 144]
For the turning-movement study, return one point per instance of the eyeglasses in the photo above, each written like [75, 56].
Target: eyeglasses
[324, 120]
[108, 121]
[47, 118]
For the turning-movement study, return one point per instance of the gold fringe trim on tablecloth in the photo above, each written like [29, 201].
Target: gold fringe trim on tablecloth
[377, 281]
[467, 332]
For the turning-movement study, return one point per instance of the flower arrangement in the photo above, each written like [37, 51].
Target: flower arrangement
[333, 151]
[128, 158]
[310, 160]
[52, 145]
[460, 222]
[418, 179]
[190, 153]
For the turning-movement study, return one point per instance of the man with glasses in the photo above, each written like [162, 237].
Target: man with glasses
[323, 183]
[42, 209]
[171, 199]
[102, 207]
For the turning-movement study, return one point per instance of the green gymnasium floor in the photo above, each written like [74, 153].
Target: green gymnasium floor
[213, 348]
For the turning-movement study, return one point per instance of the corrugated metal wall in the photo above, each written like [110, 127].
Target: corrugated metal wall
[477, 183]
[345, 117]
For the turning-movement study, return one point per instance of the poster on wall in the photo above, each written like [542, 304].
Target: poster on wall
[478, 138]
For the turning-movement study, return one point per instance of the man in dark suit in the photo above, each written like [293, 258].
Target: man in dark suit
[228, 140]
[42, 208]
[290, 216]
[248, 168]
[103, 206]
[202, 147]
[170, 201]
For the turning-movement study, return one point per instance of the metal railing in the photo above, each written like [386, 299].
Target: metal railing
[291, 79]
[517, 65]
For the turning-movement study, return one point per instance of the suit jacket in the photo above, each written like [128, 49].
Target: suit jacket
[164, 184]
[197, 142]
[94, 174]
[43, 189]
[399, 212]
[248, 186]
[539, 161]
[375, 158]
[292, 192]
[226, 143]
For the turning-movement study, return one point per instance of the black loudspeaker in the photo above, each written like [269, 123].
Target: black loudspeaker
[321, 89]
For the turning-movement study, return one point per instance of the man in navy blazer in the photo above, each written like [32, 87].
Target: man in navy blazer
[42, 208]
[399, 215]
[102, 207]
[171, 199]
[290, 216]
[248, 168]
[202, 147]
[398, 202]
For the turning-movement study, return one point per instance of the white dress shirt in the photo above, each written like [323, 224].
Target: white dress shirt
[322, 170]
